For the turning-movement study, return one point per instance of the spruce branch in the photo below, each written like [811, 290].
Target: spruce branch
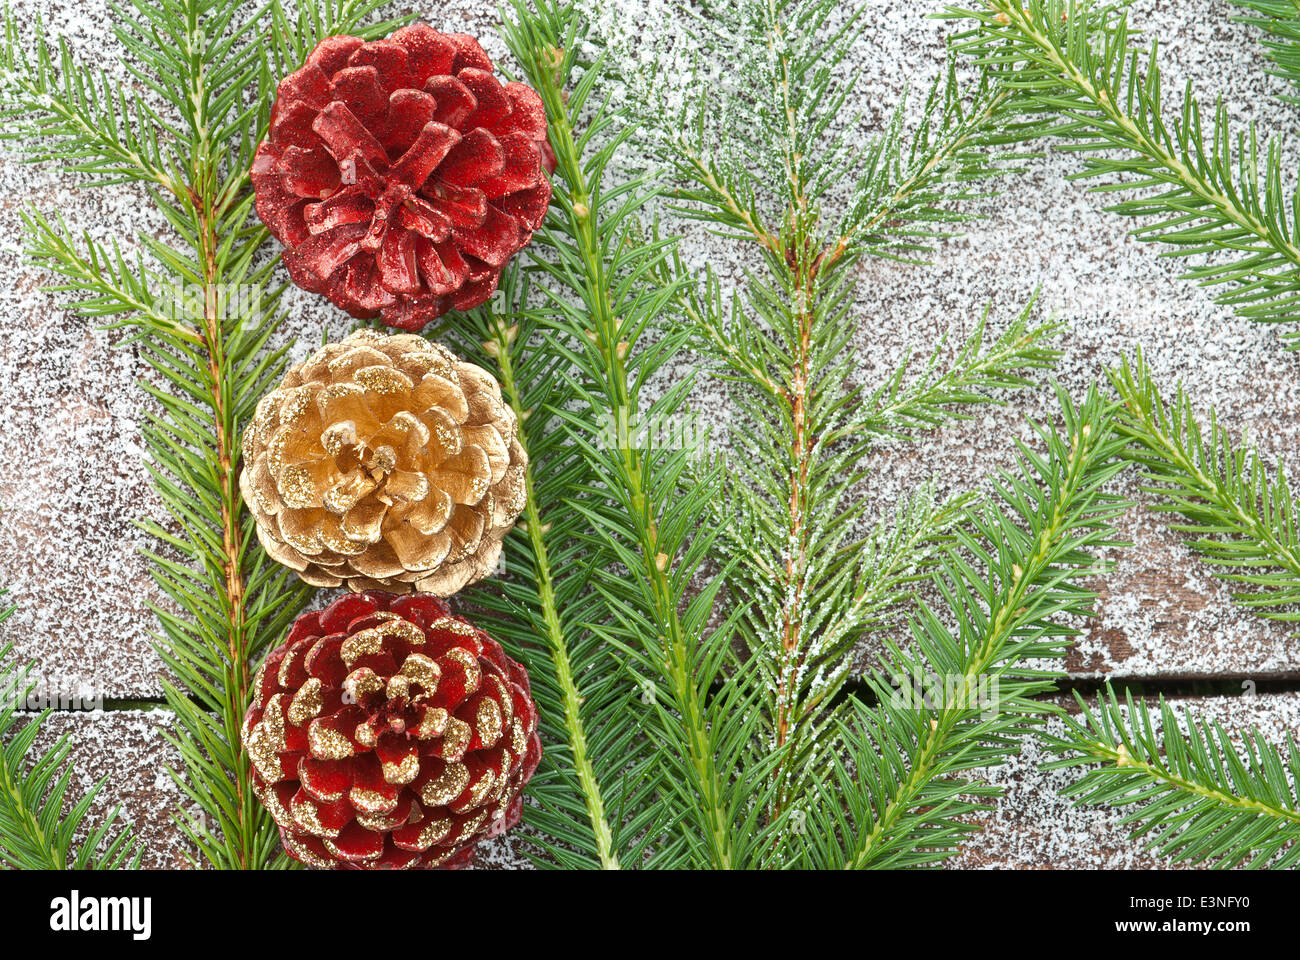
[811, 586]
[901, 407]
[39, 820]
[907, 188]
[1198, 191]
[1240, 514]
[908, 193]
[1010, 576]
[1193, 796]
[63, 113]
[1280, 22]
[644, 519]
[108, 283]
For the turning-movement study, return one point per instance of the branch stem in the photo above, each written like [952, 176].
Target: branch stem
[572, 699]
[1111, 753]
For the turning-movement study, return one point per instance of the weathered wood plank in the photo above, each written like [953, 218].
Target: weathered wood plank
[128, 748]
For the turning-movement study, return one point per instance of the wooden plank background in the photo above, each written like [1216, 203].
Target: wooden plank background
[70, 417]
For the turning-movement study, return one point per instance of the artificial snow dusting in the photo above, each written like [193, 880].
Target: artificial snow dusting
[72, 410]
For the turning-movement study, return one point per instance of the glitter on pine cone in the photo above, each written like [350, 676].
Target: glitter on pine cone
[384, 462]
[401, 175]
[387, 733]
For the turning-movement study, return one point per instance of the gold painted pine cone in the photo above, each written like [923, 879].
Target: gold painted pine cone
[384, 462]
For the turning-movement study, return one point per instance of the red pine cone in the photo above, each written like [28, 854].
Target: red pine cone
[386, 732]
[401, 175]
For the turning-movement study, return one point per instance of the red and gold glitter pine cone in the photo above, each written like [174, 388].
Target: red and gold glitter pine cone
[387, 733]
[401, 175]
